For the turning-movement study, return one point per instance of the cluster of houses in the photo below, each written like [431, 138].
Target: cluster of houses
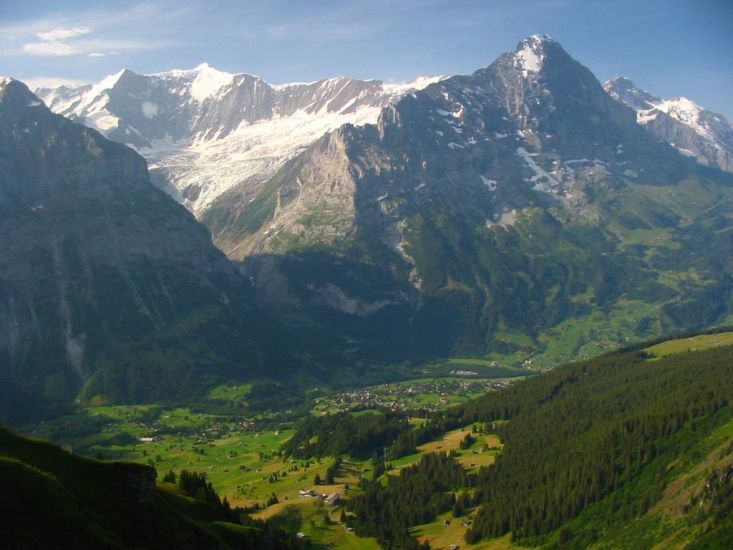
[403, 396]
[203, 436]
[333, 498]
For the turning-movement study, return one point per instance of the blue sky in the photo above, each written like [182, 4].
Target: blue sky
[669, 47]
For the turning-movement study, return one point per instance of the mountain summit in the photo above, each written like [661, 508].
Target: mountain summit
[495, 202]
[691, 129]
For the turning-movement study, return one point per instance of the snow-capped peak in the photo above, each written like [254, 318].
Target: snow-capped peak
[623, 90]
[204, 80]
[540, 38]
[530, 53]
[681, 105]
[208, 81]
[713, 144]
[106, 83]
[687, 112]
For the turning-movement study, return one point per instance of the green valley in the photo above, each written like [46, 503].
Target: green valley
[664, 481]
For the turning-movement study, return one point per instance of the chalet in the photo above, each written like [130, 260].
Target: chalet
[307, 493]
[333, 498]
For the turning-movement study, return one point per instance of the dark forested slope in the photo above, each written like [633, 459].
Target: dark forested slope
[50, 498]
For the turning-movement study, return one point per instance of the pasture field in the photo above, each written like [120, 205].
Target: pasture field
[694, 343]
[482, 452]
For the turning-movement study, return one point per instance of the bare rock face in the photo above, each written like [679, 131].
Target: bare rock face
[694, 131]
[510, 136]
[92, 258]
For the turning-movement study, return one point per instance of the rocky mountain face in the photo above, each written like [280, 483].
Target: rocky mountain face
[692, 130]
[205, 132]
[107, 285]
[494, 211]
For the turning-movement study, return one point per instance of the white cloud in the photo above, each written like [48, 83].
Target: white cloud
[63, 33]
[95, 32]
[54, 49]
[91, 47]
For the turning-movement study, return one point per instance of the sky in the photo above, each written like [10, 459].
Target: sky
[669, 47]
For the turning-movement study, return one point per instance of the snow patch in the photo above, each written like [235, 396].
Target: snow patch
[491, 184]
[539, 173]
[103, 121]
[529, 59]
[150, 109]
[645, 117]
[420, 83]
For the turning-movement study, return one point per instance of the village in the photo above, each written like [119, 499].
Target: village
[425, 395]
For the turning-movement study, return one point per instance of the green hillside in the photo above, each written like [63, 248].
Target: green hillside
[54, 499]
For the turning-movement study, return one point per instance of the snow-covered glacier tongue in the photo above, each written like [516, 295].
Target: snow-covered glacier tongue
[205, 131]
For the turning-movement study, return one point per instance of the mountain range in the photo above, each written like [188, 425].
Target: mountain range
[694, 131]
[520, 212]
[205, 132]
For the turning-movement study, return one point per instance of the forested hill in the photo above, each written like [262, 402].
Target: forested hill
[629, 450]
[594, 445]
[50, 498]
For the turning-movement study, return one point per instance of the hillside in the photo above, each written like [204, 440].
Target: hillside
[54, 499]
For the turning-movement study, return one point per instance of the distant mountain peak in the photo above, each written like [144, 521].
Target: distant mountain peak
[685, 124]
[538, 40]
[14, 92]
[205, 80]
